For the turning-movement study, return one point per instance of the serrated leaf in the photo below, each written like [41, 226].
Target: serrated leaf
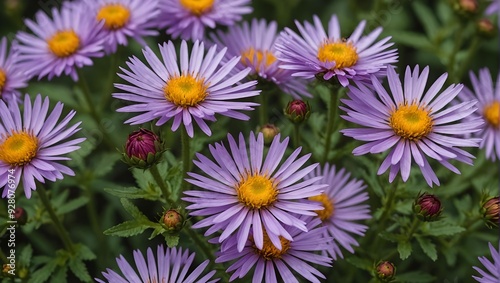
[42, 274]
[85, 253]
[60, 275]
[126, 229]
[72, 205]
[157, 231]
[404, 249]
[172, 240]
[390, 237]
[133, 193]
[104, 163]
[412, 39]
[133, 210]
[25, 256]
[428, 247]
[416, 277]
[79, 269]
[441, 228]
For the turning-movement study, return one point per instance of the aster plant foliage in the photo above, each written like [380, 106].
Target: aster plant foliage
[412, 123]
[32, 144]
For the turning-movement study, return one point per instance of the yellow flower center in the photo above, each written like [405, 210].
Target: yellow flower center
[341, 52]
[269, 251]
[115, 16]
[64, 43]
[491, 114]
[18, 149]
[257, 192]
[185, 91]
[257, 57]
[327, 203]
[3, 78]
[197, 7]
[411, 122]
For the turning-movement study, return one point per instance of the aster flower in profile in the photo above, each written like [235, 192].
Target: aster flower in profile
[412, 124]
[170, 265]
[488, 109]
[188, 19]
[313, 53]
[343, 205]
[296, 255]
[123, 19]
[199, 90]
[245, 191]
[32, 145]
[492, 273]
[11, 76]
[61, 44]
[254, 42]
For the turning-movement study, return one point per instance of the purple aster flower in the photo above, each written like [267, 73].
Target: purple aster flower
[189, 18]
[488, 110]
[11, 76]
[124, 18]
[196, 93]
[170, 265]
[342, 201]
[296, 255]
[239, 192]
[410, 123]
[493, 268]
[318, 54]
[32, 145]
[255, 44]
[60, 45]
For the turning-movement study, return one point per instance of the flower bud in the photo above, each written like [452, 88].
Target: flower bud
[173, 220]
[466, 7]
[491, 211]
[297, 111]
[20, 215]
[427, 207]
[385, 271]
[142, 149]
[486, 28]
[269, 131]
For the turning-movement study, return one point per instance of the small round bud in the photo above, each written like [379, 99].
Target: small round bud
[385, 271]
[297, 111]
[8, 270]
[20, 215]
[269, 131]
[142, 149]
[466, 7]
[486, 28]
[173, 220]
[491, 211]
[427, 207]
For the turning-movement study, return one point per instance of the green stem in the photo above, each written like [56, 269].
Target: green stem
[92, 109]
[200, 243]
[296, 135]
[332, 110]
[63, 234]
[263, 115]
[106, 95]
[468, 57]
[453, 56]
[161, 183]
[186, 157]
[94, 223]
[414, 226]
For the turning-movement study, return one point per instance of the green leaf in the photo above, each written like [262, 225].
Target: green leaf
[361, 263]
[443, 228]
[56, 92]
[428, 247]
[390, 237]
[84, 252]
[132, 209]
[157, 231]
[416, 277]
[42, 274]
[104, 163]
[172, 240]
[133, 193]
[412, 39]
[126, 229]
[60, 275]
[450, 255]
[426, 17]
[404, 249]
[79, 269]
[72, 205]
[25, 256]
